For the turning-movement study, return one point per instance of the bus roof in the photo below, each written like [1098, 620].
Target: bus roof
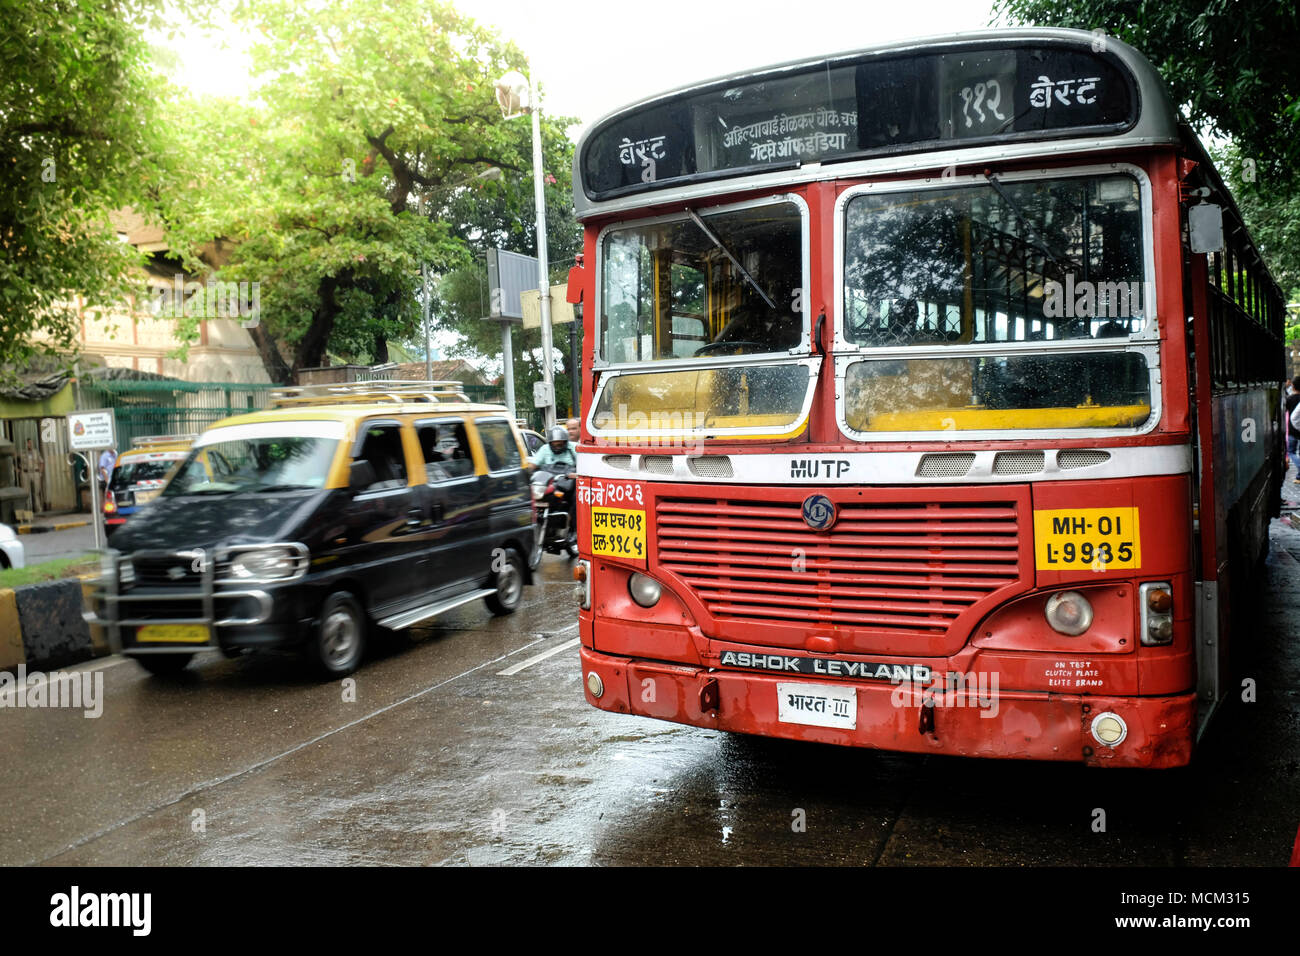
[925, 104]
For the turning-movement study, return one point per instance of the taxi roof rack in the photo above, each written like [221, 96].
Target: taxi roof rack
[398, 392]
[146, 441]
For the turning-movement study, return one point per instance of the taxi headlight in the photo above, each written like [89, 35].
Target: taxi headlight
[125, 572]
[276, 563]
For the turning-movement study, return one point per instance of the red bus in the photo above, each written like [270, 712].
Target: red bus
[931, 404]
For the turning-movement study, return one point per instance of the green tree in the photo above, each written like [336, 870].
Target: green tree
[502, 215]
[1229, 63]
[370, 112]
[79, 137]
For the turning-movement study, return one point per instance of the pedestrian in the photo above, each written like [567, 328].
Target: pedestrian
[1292, 428]
[574, 433]
[107, 459]
[33, 477]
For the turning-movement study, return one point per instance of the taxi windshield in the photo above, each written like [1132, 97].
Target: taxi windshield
[128, 473]
[260, 464]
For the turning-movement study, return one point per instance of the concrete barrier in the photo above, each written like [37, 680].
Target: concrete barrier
[41, 625]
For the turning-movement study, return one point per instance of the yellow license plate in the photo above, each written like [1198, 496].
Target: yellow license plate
[141, 497]
[1087, 539]
[618, 533]
[173, 633]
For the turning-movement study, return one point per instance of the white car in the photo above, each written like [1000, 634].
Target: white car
[11, 549]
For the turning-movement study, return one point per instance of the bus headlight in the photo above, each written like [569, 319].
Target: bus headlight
[1069, 612]
[645, 590]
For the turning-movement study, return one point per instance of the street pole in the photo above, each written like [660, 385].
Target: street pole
[428, 350]
[543, 277]
[508, 369]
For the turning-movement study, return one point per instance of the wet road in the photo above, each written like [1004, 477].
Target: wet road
[472, 745]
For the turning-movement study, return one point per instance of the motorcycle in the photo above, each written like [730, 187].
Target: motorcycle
[556, 530]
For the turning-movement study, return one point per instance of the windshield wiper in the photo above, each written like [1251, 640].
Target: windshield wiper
[713, 237]
[283, 487]
[1034, 238]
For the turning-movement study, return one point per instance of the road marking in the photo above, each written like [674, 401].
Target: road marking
[537, 659]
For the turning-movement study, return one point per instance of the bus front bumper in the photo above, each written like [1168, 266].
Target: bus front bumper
[1027, 725]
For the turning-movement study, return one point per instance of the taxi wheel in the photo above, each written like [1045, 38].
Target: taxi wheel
[509, 582]
[164, 665]
[340, 637]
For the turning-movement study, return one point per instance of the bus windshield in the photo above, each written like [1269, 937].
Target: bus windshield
[703, 286]
[694, 292]
[1020, 267]
[1000, 262]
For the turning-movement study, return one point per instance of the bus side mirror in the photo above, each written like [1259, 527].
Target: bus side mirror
[1205, 227]
[576, 276]
[361, 475]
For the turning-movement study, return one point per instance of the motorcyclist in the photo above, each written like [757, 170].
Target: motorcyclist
[557, 455]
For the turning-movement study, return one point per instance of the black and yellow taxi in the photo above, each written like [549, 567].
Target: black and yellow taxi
[338, 511]
[140, 474]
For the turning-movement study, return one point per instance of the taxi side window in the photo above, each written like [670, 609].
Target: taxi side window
[446, 451]
[499, 446]
[382, 447]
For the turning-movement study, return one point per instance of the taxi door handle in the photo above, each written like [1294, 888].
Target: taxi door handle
[414, 518]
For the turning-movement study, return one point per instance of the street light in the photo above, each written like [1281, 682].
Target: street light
[517, 95]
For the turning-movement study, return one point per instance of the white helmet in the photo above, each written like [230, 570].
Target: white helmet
[557, 433]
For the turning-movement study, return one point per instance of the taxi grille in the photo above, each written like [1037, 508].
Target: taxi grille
[165, 571]
[898, 567]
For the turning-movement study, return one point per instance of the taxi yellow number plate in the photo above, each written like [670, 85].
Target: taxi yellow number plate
[147, 495]
[173, 633]
[1087, 539]
[618, 533]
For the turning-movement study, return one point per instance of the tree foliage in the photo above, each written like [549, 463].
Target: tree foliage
[326, 193]
[1229, 63]
[502, 215]
[79, 138]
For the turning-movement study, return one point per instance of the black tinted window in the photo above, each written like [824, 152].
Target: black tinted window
[382, 447]
[445, 448]
[499, 446]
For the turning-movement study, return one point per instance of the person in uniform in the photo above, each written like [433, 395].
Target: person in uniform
[33, 469]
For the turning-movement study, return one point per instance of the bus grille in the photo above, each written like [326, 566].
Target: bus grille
[896, 567]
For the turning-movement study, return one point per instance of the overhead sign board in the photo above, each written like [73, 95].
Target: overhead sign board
[88, 430]
[509, 274]
[531, 305]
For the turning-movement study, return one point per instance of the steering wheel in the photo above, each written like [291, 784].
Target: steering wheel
[736, 343]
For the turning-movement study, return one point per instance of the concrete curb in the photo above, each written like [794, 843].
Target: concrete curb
[45, 528]
[41, 626]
